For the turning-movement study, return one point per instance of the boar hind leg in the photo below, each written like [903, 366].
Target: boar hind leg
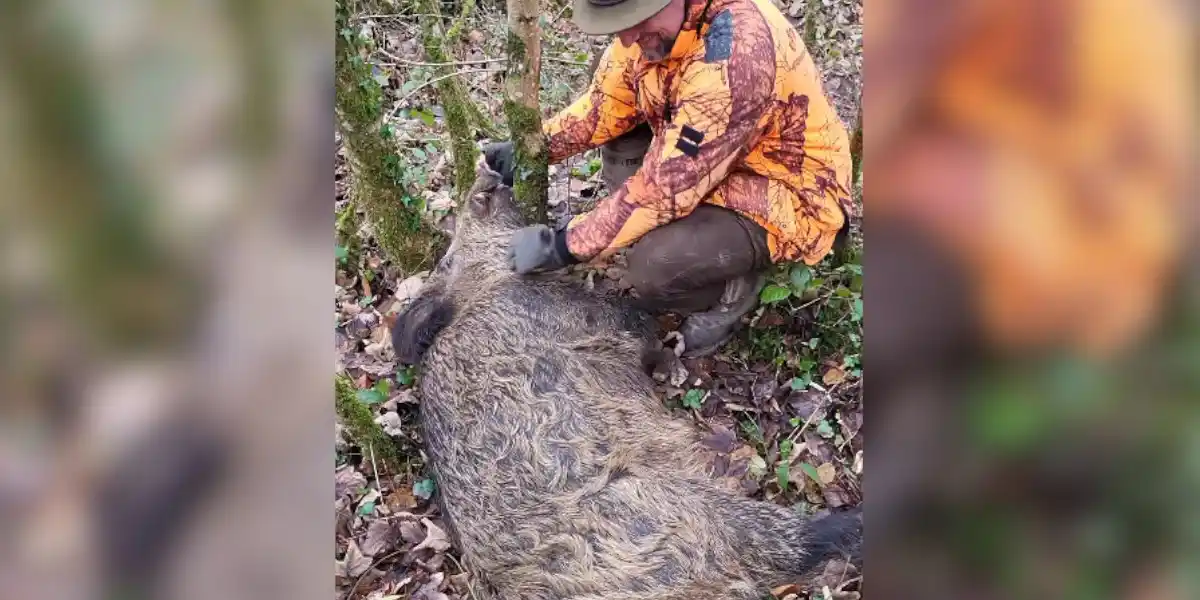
[418, 325]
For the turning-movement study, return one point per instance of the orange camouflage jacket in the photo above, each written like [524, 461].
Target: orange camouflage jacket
[740, 120]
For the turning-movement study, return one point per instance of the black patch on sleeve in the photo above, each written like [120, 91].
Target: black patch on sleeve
[687, 147]
[691, 134]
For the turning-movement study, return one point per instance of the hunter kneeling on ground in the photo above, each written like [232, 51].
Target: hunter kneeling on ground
[721, 151]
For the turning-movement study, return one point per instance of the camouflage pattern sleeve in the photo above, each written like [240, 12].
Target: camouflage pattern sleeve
[607, 110]
[722, 95]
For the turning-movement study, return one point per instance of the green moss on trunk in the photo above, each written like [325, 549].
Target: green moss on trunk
[452, 94]
[531, 169]
[531, 177]
[395, 215]
[359, 421]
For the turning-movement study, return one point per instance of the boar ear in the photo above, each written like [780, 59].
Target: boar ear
[418, 325]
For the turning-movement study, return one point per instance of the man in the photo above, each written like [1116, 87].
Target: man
[722, 153]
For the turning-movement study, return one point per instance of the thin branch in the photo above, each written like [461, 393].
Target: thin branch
[393, 16]
[479, 61]
[421, 63]
[437, 79]
[565, 61]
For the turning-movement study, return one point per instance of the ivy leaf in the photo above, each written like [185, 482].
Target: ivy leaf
[774, 293]
[424, 489]
[800, 277]
[418, 153]
[384, 386]
[824, 429]
[811, 471]
[342, 254]
[425, 116]
[692, 399]
[405, 376]
[801, 383]
[856, 308]
[370, 396]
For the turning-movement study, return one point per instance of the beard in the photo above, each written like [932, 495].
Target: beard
[655, 47]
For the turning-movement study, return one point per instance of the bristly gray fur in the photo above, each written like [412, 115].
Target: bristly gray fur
[560, 473]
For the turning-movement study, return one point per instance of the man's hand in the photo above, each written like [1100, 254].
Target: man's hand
[532, 249]
[500, 158]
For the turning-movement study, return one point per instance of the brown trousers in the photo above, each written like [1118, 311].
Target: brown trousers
[684, 265]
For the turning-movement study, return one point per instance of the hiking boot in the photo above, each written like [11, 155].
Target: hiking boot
[705, 332]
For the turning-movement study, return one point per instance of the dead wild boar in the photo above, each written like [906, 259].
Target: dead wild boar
[561, 475]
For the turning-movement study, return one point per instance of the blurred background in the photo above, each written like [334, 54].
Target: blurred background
[1031, 325]
[165, 414]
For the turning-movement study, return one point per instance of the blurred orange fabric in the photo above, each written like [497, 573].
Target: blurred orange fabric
[1047, 145]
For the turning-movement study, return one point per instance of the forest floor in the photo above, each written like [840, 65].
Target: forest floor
[780, 406]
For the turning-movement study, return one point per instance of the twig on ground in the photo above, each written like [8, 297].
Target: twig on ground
[393, 16]
[565, 61]
[375, 467]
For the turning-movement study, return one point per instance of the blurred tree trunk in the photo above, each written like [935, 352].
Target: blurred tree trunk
[394, 215]
[521, 107]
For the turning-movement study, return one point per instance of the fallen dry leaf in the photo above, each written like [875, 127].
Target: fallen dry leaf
[785, 590]
[834, 376]
[430, 591]
[409, 288]
[382, 537]
[354, 564]
[391, 424]
[827, 473]
[435, 538]
[411, 532]
[347, 481]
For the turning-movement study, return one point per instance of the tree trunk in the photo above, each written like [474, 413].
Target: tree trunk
[460, 109]
[521, 107]
[395, 216]
[359, 421]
